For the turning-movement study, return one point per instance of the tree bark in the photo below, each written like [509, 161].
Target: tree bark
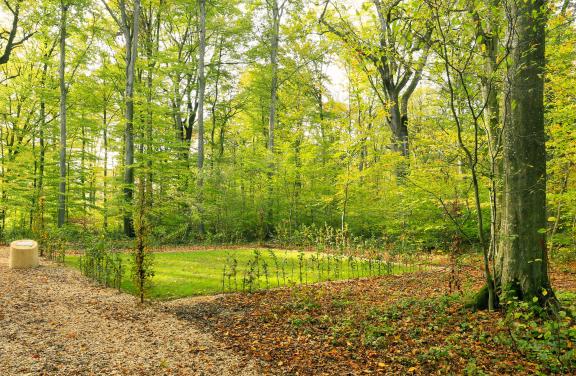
[63, 93]
[201, 91]
[276, 10]
[522, 265]
[201, 82]
[131, 53]
[274, 42]
[105, 179]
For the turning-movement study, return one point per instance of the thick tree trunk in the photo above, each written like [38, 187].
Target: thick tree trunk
[399, 127]
[62, 71]
[131, 53]
[522, 265]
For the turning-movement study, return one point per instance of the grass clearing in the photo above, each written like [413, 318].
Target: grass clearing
[206, 272]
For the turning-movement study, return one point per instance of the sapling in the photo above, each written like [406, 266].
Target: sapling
[300, 264]
[314, 262]
[233, 273]
[257, 265]
[251, 275]
[265, 270]
[276, 266]
[244, 273]
[350, 266]
[284, 262]
[223, 279]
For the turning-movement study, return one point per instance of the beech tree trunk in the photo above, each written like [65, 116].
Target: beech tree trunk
[131, 52]
[201, 91]
[201, 82]
[62, 71]
[276, 10]
[274, 65]
[522, 256]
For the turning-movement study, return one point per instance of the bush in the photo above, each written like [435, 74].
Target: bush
[101, 263]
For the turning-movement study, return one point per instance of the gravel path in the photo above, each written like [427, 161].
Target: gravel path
[55, 322]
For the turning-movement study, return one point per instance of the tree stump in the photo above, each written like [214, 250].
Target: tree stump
[23, 254]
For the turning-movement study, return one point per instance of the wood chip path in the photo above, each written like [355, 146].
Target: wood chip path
[55, 322]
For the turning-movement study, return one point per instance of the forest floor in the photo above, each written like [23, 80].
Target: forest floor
[54, 322]
[393, 325]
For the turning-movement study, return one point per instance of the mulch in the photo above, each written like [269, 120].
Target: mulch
[55, 322]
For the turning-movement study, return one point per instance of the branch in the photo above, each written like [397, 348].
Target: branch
[10, 45]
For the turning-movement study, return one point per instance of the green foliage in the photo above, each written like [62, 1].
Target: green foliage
[101, 262]
[332, 182]
[546, 338]
[53, 244]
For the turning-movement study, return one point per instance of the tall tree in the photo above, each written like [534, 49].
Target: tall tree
[63, 94]
[201, 81]
[276, 11]
[201, 91]
[522, 265]
[130, 32]
[399, 57]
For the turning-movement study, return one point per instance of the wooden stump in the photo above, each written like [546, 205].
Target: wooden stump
[23, 254]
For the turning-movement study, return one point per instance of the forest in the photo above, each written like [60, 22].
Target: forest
[294, 187]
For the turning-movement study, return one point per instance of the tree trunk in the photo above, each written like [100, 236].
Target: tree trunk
[105, 179]
[201, 90]
[274, 66]
[522, 265]
[63, 89]
[274, 43]
[201, 82]
[131, 52]
[399, 127]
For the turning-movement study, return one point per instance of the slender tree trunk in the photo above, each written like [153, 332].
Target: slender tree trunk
[201, 82]
[3, 194]
[201, 91]
[105, 180]
[488, 29]
[83, 174]
[42, 151]
[522, 265]
[152, 45]
[63, 89]
[214, 104]
[275, 36]
[131, 53]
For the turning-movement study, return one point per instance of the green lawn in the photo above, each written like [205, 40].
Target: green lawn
[184, 274]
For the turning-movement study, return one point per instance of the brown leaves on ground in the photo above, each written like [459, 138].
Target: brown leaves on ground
[54, 322]
[405, 324]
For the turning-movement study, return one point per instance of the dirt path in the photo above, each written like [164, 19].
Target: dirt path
[54, 322]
